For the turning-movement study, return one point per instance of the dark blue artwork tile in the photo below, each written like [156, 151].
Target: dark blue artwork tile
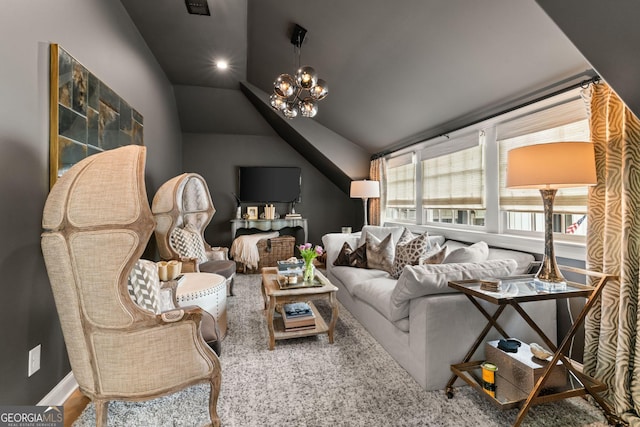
[70, 153]
[72, 125]
[94, 92]
[80, 77]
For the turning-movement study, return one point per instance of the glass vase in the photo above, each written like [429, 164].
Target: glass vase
[309, 271]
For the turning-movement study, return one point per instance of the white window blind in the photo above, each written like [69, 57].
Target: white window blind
[568, 200]
[556, 116]
[454, 179]
[401, 178]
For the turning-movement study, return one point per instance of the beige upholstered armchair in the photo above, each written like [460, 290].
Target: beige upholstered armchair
[96, 224]
[183, 208]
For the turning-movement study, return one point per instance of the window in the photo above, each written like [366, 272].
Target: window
[524, 208]
[453, 181]
[401, 188]
[458, 180]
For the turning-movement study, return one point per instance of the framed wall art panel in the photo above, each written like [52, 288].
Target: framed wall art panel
[86, 116]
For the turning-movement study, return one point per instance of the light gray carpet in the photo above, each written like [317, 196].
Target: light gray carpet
[308, 382]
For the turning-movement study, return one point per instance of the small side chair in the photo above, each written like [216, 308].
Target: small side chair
[183, 208]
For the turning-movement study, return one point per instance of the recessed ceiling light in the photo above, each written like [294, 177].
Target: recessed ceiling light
[222, 64]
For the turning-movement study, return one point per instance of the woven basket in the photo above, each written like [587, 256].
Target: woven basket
[276, 249]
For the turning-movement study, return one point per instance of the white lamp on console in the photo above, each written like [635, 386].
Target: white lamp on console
[365, 190]
[548, 167]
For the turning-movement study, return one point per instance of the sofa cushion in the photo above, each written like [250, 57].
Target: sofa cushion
[477, 252]
[380, 253]
[380, 233]
[402, 324]
[420, 280]
[377, 293]
[350, 276]
[352, 258]
[436, 255]
[409, 251]
[436, 239]
[523, 259]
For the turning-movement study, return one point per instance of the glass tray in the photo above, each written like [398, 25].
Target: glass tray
[282, 282]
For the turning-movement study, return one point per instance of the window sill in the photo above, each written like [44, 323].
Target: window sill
[535, 245]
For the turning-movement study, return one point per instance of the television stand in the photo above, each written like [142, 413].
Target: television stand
[269, 225]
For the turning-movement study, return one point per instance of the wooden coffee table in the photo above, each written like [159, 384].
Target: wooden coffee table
[275, 297]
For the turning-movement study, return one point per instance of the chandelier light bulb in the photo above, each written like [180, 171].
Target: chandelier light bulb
[277, 102]
[290, 111]
[320, 90]
[306, 77]
[308, 107]
[284, 85]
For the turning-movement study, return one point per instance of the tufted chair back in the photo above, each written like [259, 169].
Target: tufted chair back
[183, 208]
[96, 224]
[182, 200]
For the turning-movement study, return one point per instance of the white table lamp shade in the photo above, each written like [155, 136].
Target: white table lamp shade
[365, 189]
[553, 165]
[549, 167]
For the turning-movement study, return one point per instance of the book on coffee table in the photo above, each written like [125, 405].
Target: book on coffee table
[297, 309]
[297, 316]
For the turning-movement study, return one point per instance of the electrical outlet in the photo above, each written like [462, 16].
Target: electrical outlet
[34, 359]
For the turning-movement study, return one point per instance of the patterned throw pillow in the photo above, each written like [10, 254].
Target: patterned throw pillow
[352, 258]
[188, 243]
[436, 255]
[144, 285]
[409, 252]
[380, 253]
[405, 237]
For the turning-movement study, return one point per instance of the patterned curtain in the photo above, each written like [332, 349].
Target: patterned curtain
[375, 174]
[612, 353]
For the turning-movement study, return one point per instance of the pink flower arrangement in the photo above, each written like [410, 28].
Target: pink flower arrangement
[308, 252]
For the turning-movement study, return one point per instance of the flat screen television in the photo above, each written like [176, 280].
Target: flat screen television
[269, 184]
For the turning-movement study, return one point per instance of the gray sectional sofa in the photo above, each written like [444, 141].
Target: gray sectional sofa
[423, 324]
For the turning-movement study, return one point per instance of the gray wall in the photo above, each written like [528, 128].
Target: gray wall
[235, 134]
[217, 157]
[99, 34]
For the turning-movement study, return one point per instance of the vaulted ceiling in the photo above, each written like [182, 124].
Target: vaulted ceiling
[398, 72]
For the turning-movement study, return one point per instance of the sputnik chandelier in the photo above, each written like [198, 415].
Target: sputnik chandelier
[298, 94]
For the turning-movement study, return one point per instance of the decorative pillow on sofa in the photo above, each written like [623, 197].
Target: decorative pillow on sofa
[409, 250]
[420, 280]
[380, 253]
[350, 258]
[477, 252]
[380, 233]
[188, 243]
[436, 255]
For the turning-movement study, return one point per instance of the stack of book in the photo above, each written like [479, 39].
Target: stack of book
[293, 216]
[298, 316]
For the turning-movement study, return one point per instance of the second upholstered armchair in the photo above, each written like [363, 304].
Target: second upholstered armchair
[183, 208]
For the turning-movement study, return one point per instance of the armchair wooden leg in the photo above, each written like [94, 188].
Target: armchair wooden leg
[213, 398]
[102, 408]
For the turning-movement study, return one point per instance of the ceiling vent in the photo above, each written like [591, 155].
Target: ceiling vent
[197, 7]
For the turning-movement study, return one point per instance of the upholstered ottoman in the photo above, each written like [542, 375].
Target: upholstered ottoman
[209, 292]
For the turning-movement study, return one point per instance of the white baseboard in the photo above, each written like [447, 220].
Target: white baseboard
[61, 392]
